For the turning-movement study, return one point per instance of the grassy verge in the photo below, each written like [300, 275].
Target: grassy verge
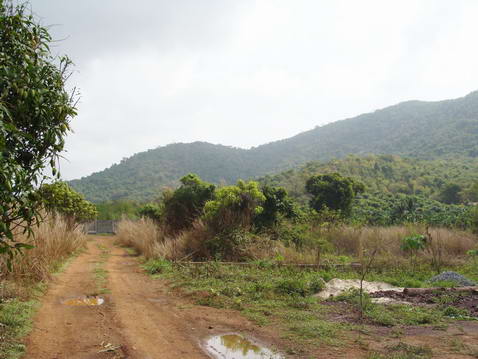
[266, 294]
[54, 245]
[282, 297]
[100, 273]
[15, 322]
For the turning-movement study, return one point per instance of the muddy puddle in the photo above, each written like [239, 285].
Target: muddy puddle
[235, 346]
[84, 301]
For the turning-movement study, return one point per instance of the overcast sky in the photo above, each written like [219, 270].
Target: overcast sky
[243, 73]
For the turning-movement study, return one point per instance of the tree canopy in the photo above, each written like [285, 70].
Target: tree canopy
[61, 198]
[333, 191]
[35, 111]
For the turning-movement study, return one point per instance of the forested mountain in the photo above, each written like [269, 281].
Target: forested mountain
[423, 130]
[389, 174]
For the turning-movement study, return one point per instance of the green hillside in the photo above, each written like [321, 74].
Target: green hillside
[387, 174]
[423, 130]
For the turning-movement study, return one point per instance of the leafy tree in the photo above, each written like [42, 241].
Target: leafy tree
[472, 193]
[186, 203]
[152, 211]
[450, 194]
[474, 218]
[61, 198]
[234, 206]
[35, 110]
[413, 244]
[277, 203]
[333, 191]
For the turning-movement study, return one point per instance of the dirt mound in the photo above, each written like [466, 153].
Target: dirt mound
[463, 300]
[338, 286]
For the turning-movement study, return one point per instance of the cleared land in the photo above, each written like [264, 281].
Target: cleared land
[145, 317]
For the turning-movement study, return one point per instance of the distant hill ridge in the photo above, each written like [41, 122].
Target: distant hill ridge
[418, 129]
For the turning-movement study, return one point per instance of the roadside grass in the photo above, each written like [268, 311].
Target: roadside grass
[55, 245]
[15, 322]
[100, 273]
[264, 293]
[272, 295]
[403, 351]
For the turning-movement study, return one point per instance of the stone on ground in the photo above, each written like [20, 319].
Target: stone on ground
[452, 277]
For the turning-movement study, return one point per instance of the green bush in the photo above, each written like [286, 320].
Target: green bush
[155, 266]
[60, 197]
[292, 287]
[151, 211]
[304, 286]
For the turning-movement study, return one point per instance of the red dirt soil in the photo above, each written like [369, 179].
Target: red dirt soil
[142, 318]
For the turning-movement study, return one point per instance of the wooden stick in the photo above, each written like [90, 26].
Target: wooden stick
[299, 265]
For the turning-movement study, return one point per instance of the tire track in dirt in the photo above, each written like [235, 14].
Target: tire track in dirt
[141, 315]
[72, 332]
[137, 315]
[152, 324]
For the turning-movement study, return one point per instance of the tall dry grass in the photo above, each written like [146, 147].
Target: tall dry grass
[452, 244]
[54, 241]
[151, 241]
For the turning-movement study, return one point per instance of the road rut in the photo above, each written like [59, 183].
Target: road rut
[138, 319]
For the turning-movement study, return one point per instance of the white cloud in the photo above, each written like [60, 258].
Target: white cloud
[244, 73]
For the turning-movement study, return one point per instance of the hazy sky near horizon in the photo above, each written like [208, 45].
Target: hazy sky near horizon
[243, 73]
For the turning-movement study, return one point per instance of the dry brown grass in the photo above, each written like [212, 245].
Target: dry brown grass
[453, 244]
[151, 242]
[53, 243]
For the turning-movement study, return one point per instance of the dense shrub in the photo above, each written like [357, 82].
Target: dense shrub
[186, 203]
[333, 191]
[60, 197]
[234, 206]
[152, 211]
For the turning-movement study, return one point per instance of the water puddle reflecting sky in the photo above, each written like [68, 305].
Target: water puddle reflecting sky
[84, 301]
[235, 346]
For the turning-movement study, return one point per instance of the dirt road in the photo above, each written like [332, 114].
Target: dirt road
[139, 319]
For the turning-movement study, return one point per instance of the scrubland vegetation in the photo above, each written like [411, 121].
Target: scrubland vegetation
[27, 275]
[251, 238]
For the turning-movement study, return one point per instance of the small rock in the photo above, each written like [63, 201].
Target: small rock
[460, 280]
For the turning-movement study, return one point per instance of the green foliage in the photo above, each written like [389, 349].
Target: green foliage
[332, 191]
[152, 211]
[34, 117]
[186, 203]
[413, 243]
[474, 218]
[300, 286]
[15, 317]
[117, 209]
[471, 194]
[155, 266]
[393, 209]
[277, 204]
[422, 130]
[61, 198]
[450, 194]
[230, 244]
[473, 252]
[235, 206]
